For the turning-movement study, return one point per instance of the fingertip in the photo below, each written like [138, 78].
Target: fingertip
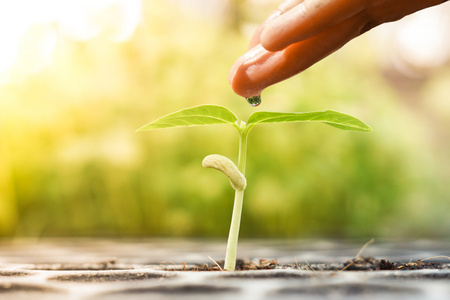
[240, 82]
[243, 74]
[242, 85]
[232, 76]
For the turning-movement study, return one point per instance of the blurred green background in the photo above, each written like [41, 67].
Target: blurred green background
[74, 90]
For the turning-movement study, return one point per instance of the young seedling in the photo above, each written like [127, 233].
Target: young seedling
[213, 114]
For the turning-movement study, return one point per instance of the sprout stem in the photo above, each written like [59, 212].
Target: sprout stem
[230, 256]
[242, 158]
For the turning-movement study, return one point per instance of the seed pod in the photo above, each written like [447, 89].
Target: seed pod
[227, 167]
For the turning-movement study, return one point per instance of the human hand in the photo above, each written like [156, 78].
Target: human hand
[302, 32]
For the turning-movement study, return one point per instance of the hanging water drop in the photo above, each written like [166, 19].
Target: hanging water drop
[254, 101]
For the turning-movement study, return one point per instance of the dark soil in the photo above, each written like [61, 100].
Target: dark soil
[355, 264]
[241, 265]
[372, 264]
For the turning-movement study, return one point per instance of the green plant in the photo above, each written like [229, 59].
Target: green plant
[213, 114]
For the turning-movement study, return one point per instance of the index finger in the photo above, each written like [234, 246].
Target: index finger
[259, 68]
[306, 19]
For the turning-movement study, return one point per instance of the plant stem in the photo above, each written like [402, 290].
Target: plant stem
[230, 256]
[242, 158]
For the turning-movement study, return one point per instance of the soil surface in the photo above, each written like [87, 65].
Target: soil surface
[321, 270]
[355, 264]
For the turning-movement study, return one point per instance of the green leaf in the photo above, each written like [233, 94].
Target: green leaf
[194, 116]
[333, 118]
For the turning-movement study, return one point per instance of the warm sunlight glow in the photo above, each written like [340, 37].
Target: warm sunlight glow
[417, 43]
[10, 32]
[422, 40]
[30, 30]
[114, 19]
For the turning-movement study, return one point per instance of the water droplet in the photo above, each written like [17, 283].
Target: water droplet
[254, 101]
